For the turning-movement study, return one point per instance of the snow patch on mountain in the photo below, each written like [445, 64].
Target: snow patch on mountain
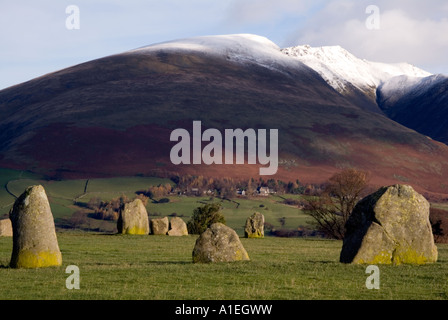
[340, 68]
[397, 87]
[242, 48]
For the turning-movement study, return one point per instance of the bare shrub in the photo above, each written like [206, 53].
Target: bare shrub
[332, 209]
[439, 224]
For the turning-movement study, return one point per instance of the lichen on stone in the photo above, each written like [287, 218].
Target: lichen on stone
[390, 226]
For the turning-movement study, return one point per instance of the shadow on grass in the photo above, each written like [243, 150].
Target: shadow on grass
[139, 263]
[170, 262]
[324, 261]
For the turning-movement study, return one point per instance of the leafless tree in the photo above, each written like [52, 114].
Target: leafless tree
[332, 209]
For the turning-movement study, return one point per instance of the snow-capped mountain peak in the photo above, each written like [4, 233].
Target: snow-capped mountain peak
[340, 68]
[241, 48]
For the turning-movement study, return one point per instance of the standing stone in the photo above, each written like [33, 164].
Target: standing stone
[390, 226]
[133, 218]
[219, 243]
[5, 228]
[254, 226]
[35, 243]
[160, 226]
[178, 227]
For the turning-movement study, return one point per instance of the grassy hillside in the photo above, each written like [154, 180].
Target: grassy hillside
[69, 197]
[114, 116]
[160, 267]
[63, 194]
[6, 176]
[235, 211]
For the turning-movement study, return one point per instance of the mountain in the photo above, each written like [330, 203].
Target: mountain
[355, 78]
[114, 116]
[420, 104]
[406, 94]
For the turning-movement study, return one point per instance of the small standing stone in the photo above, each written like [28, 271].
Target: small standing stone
[160, 226]
[178, 227]
[254, 226]
[219, 243]
[133, 218]
[35, 244]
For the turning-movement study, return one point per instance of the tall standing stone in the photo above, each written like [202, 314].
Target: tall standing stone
[133, 218]
[35, 244]
[219, 243]
[254, 227]
[390, 226]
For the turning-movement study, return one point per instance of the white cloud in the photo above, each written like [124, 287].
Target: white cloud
[266, 11]
[413, 32]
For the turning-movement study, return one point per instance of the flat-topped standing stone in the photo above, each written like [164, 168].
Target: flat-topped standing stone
[219, 243]
[5, 228]
[254, 226]
[35, 244]
[133, 218]
[390, 226]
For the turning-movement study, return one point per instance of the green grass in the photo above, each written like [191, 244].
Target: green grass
[67, 196]
[236, 211]
[63, 194]
[124, 184]
[7, 175]
[160, 267]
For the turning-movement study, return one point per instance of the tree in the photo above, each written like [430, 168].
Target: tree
[94, 203]
[204, 216]
[332, 209]
[143, 198]
[250, 189]
[438, 219]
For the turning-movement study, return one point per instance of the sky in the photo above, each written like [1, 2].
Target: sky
[35, 38]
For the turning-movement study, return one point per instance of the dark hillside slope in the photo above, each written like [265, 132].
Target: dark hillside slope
[423, 107]
[113, 116]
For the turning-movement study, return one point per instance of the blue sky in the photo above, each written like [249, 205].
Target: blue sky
[34, 39]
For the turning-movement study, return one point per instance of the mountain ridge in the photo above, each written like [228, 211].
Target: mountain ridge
[357, 79]
[114, 115]
[338, 66]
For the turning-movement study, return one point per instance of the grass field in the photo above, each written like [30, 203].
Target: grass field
[69, 196]
[160, 267]
[235, 212]
[66, 192]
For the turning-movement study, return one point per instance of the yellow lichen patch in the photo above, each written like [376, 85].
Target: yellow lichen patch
[30, 259]
[409, 256]
[257, 234]
[136, 230]
[241, 255]
[384, 257]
